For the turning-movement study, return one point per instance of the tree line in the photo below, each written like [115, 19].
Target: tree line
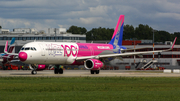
[142, 32]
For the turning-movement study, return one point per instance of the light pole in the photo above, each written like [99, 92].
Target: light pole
[153, 44]
[55, 34]
[134, 51]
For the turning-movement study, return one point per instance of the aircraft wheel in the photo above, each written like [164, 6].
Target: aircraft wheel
[92, 71]
[55, 70]
[34, 72]
[60, 71]
[5, 67]
[97, 71]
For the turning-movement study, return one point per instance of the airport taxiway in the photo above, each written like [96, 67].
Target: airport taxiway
[86, 73]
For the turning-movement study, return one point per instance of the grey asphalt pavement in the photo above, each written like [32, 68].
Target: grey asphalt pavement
[86, 73]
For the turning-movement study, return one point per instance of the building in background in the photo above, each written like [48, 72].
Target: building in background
[167, 59]
[25, 35]
[4, 31]
[56, 30]
[25, 30]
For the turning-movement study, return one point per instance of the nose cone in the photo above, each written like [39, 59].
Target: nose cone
[22, 56]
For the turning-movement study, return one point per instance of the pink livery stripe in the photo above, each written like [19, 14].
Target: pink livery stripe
[89, 49]
[121, 18]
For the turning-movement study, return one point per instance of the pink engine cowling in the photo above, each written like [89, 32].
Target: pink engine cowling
[40, 67]
[93, 64]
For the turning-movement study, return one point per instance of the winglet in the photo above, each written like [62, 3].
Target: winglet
[174, 43]
[5, 48]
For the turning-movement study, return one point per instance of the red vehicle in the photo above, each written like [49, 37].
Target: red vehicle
[127, 67]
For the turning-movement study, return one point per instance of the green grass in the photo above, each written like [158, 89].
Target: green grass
[90, 89]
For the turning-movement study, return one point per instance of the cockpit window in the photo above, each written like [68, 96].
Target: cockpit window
[22, 48]
[27, 48]
[34, 48]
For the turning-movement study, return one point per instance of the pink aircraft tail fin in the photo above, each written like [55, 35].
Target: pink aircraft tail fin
[6, 46]
[174, 43]
[118, 32]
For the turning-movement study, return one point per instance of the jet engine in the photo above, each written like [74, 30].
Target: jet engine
[93, 64]
[37, 67]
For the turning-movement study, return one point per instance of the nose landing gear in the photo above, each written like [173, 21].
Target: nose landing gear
[34, 67]
[34, 72]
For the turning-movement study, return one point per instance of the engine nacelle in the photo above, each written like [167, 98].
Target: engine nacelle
[93, 64]
[39, 67]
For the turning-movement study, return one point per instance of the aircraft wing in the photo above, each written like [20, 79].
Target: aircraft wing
[16, 54]
[15, 61]
[124, 54]
[119, 55]
[125, 50]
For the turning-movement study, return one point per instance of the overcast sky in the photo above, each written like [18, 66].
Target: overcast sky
[43, 14]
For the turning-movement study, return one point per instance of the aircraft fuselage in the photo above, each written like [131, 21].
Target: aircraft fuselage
[61, 53]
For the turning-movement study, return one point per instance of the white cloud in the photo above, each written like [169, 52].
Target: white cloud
[169, 15]
[90, 12]
[90, 20]
[42, 14]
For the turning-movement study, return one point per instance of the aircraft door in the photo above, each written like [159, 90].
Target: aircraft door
[92, 51]
[42, 49]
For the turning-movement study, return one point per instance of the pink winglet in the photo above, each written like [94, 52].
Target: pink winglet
[121, 18]
[6, 45]
[174, 42]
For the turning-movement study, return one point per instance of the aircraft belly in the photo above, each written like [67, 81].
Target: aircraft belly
[56, 60]
[59, 60]
[48, 60]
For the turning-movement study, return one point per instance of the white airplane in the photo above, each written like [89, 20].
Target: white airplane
[10, 56]
[91, 55]
[6, 57]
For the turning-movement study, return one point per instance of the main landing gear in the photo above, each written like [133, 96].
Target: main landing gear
[57, 70]
[95, 71]
[4, 67]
